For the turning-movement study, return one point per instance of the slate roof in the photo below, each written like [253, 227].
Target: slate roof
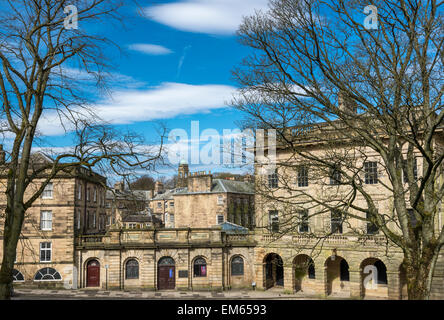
[231, 228]
[225, 186]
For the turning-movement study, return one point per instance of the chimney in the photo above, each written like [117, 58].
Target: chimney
[158, 187]
[2, 155]
[200, 182]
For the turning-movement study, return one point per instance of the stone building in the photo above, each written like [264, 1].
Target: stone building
[73, 204]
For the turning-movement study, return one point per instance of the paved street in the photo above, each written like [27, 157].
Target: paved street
[27, 294]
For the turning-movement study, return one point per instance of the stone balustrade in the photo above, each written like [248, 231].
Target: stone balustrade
[165, 237]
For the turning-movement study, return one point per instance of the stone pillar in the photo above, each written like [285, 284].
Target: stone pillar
[288, 278]
[394, 285]
[259, 278]
[355, 284]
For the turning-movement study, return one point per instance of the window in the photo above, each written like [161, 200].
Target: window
[47, 192]
[132, 269]
[371, 227]
[303, 224]
[172, 218]
[371, 172]
[159, 204]
[171, 204]
[273, 219]
[220, 218]
[79, 191]
[273, 180]
[415, 171]
[220, 200]
[78, 221]
[46, 220]
[335, 176]
[200, 267]
[45, 251]
[17, 276]
[237, 266]
[88, 194]
[131, 226]
[95, 194]
[336, 221]
[303, 176]
[47, 274]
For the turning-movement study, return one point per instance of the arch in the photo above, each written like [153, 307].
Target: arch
[237, 265]
[17, 276]
[92, 273]
[166, 273]
[304, 272]
[380, 286]
[131, 269]
[166, 261]
[337, 276]
[273, 271]
[199, 267]
[47, 274]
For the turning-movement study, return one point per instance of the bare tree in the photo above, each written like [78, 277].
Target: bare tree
[370, 99]
[46, 63]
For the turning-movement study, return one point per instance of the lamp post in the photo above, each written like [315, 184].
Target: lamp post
[106, 280]
[333, 255]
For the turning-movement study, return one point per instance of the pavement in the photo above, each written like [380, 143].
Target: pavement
[38, 294]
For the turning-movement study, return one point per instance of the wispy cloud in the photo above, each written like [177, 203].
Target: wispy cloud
[182, 60]
[151, 49]
[205, 16]
[165, 101]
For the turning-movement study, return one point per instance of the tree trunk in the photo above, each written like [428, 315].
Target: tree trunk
[417, 280]
[10, 239]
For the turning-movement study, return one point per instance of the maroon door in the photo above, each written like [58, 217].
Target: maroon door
[166, 275]
[93, 274]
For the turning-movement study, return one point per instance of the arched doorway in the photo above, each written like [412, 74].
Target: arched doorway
[273, 271]
[338, 276]
[304, 273]
[379, 289]
[166, 274]
[93, 274]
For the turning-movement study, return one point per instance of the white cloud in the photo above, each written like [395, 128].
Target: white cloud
[165, 101]
[205, 16]
[151, 49]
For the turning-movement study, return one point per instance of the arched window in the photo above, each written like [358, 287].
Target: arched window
[167, 261]
[17, 276]
[345, 275]
[47, 274]
[200, 267]
[237, 266]
[132, 269]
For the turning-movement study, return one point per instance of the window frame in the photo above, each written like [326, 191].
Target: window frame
[46, 249]
[273, 180]
[43, 220]
[217, 219]
[304, 225]
[239, 270]
[134, 275]
[273, 215]
[50, 191]
[200, 273]
[336, 218]
[371, 172]
[302, 176]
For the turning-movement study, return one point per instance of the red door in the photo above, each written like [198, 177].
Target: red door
[166, 275]
[93, 274]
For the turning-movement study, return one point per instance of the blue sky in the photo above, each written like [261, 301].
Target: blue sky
[176, 67]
